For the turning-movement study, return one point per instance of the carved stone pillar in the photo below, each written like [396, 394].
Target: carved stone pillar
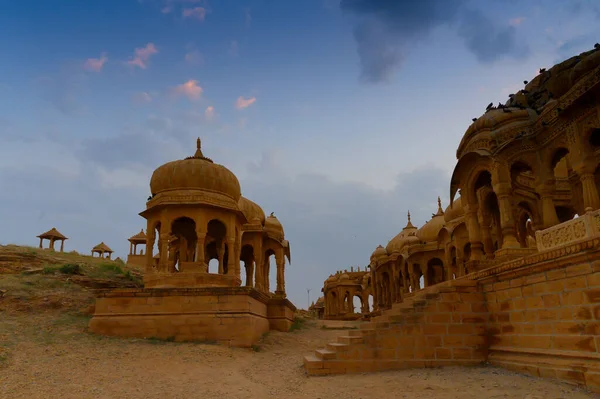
[41, 239]
[280, 274]
[150, 238]
[233, 267]
[507, 220]
[164, 252]
[266, 274]
[62, 245]
[200, 247]
[549, 216]
[249, 273]
[221, 256]
[474, 232]
[486, 234]
[591, 200]
[258, 271]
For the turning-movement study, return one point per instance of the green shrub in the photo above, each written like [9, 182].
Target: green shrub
[48, 270]
[70, 268]
[298, 324]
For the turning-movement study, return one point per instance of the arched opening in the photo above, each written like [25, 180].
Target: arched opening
[216, 247]
[467, 257]
[565, 213]
[357, 304]
[370, 302]
[333, 305]
[247, 257]
[348, 305]
[270, 269]
[183, 242]
[453, 264]
[520, 168]
[525, 233]
[594, 139]
[492, 211]
[435, 271]
[386, 285]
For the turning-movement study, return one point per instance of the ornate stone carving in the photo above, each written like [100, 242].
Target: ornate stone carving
[585, 226]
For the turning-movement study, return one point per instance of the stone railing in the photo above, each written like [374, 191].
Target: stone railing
[581, 228]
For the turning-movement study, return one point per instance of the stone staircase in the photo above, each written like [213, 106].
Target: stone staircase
[441, 325]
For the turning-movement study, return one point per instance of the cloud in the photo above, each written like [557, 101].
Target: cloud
[198, 13]
[141, 98]
[388, 29]
[330, 224]
[194, 57]
[209, 113]
[190, 89]
[95, 64]
[64, 89]
[516, 21]
[142, 56]
[242, 102]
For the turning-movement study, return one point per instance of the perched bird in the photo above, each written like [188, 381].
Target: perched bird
[490, 105]
[597, 45]
[474, 119]
[542, 70]
[525, 81]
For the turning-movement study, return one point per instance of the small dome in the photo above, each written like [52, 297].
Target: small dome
[379, 252]
[195, 173]
[273, 227]
[344, 277]
[430, 230]
[454, 211]
[251, 210]
[406, 237]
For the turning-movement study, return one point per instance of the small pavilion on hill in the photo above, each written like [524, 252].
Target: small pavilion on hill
[53, 235]
[135, 240]
[134, 258]
[102, 249]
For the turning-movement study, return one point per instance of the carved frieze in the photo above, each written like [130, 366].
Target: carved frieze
[585, 226]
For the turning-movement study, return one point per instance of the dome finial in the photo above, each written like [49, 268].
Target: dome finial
[440, 211]
[198, 153]
[409, 225]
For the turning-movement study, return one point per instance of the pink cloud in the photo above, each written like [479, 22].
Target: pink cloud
[190, 89]
[196, 12]
[516, 21]
[95, 64]
[209, 113]
[244, 102]
[142, 55]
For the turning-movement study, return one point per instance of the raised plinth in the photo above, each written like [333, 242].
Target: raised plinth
[190, 279]
[235, 316]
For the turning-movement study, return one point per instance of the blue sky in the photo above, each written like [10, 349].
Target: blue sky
[338, 116]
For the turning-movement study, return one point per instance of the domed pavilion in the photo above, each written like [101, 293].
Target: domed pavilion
[196, 214]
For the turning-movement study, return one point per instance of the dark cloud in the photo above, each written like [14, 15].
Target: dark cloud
[387, 29]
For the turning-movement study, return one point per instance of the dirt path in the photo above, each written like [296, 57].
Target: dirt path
[57, 360]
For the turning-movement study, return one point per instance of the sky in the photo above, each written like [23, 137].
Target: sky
[339, 116]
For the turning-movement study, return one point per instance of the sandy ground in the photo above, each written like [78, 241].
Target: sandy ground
[50, 356]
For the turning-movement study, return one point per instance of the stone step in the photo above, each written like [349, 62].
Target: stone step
[325, 354]
[336, 347]
[349, 340]
[312, 361]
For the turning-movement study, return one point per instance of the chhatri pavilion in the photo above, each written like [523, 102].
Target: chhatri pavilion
[196, 213]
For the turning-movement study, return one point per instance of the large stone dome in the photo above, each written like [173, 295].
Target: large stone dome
[406, 237]
[251, 210]
[454, 211]
[195, 173]
[431, 229]
[274, 228]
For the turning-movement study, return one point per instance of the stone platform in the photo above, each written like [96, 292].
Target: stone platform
[234, 316]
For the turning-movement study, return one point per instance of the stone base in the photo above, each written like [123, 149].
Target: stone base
[137, 261]
[189, 279]
[236, 316]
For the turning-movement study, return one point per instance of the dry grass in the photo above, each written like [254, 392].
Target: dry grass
[46, 351]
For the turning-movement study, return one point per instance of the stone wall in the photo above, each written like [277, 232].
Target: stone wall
[545, 318]
[538, 314]
[232, 316]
